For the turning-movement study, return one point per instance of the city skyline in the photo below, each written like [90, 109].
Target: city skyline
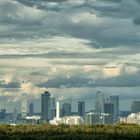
[106, 111]
[70, 104]
[69, 47]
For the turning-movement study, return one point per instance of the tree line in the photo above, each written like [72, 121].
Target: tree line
[70, 132]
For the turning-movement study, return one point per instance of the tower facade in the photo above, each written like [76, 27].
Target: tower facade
[66, 109]
[115, 101]
[23, 106]
[52, 107]
[81, 108]
[109, 108]
[135, 108]
[45, 106]
[99, 103]
[31, 109]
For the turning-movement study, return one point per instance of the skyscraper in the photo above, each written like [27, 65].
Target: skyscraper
[109, 108]
[31, 109]
[15, 114]
[135, 108]
[115, 101]
[52, 107]
[99, 103]
[81, 108]
[45, 106]
[66, 109]
[2, 114]
[23, 106]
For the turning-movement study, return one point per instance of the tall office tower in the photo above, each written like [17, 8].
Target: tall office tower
[23, 106]
[115, 101]
[3, 114]
[66, 109]
[52, 107]
[99, 103]
[31, 109]
[81, 108]
[109, 108]
[15, 114]
[45, 106]
[135, 107]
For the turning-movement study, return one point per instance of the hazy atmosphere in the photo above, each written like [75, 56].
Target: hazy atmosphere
[71, 48]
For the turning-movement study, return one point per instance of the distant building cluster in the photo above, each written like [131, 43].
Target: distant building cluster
[134, 117]
[106, 111]
[53, 114]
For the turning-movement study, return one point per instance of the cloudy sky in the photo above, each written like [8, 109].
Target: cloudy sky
[69, 47]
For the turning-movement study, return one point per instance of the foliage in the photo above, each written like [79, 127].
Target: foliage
[70, 132]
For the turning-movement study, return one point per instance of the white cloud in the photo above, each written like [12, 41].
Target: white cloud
[29, 89]
[8, 78]
[86, 18]
[112, 72]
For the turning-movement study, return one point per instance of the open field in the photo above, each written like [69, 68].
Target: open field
[65, 132]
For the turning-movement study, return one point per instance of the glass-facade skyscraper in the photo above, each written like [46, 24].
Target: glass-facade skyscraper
[66, 109]
[81, 108]
[115, 101]
[45, 106]
[23, 106]
[31, 109]
[135, 108]
[52, 107]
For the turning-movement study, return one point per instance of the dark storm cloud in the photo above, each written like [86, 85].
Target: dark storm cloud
[137, 20]
[111, 28]
[43, 4]
[112, 0]
[65, 82]
[104, 23]
[137, 1]
[126, 80]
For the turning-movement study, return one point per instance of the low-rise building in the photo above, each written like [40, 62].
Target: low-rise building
[70, 120]
[133, 118]
[94, 118]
